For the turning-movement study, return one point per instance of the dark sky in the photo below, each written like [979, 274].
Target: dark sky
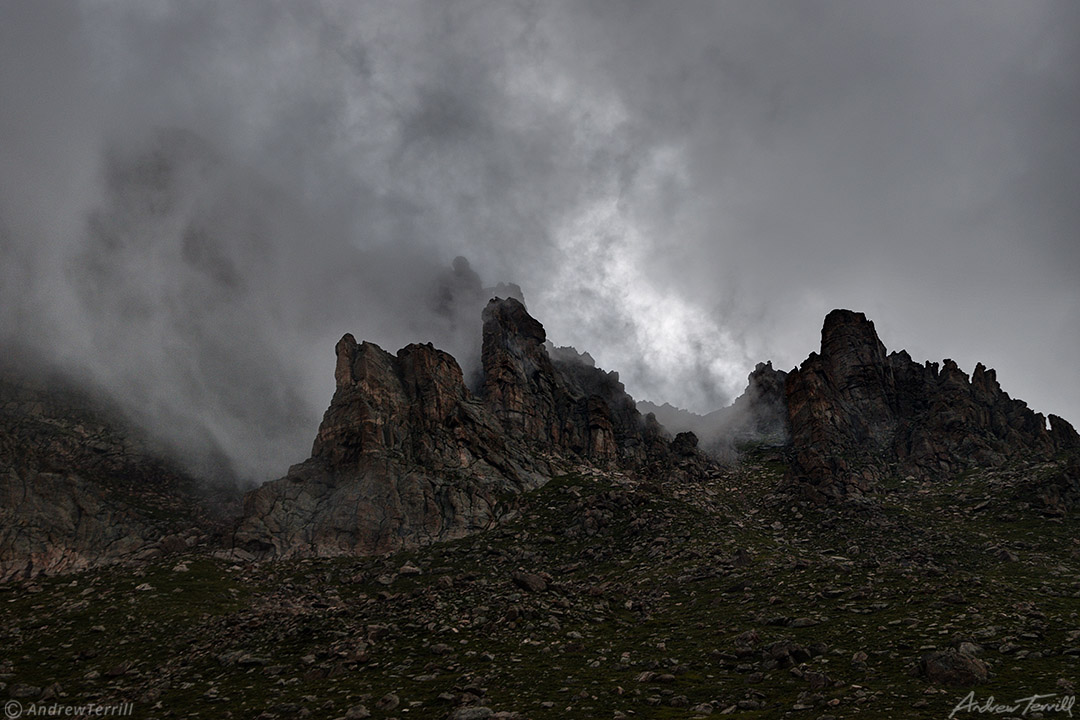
[198, 198]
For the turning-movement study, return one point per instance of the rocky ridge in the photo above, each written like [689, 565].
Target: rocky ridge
[536, 549]
[858, 415]
[406, 455]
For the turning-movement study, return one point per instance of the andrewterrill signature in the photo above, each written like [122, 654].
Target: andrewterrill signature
[1023, 706]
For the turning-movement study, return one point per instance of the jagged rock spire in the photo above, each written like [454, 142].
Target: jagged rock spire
[407, 455]
[857, 414]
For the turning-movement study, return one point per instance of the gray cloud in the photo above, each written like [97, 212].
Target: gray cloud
[197, 199]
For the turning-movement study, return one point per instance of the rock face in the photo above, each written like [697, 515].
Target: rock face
[520, 384]
[406, 455]
[566, 405]
[559, 403]
[857, 414]
[79, 489]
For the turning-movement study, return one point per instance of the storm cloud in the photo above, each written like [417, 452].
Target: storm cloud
[198, 198]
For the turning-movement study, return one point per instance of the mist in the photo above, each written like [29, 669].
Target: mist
[198, 199]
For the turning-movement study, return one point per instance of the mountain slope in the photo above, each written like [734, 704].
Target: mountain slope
[79, 487]
[607, 594]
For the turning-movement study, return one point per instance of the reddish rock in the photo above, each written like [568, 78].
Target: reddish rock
[406, 455]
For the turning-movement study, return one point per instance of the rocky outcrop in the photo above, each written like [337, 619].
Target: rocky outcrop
[858, 414]
[1054, 489]
[407, 455]
[758, 416]
[520, 383]
[79, 488]
[404, 456]
[558, 400]
[760, 413]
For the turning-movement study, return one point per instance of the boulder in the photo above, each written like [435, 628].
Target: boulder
[950, 667]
